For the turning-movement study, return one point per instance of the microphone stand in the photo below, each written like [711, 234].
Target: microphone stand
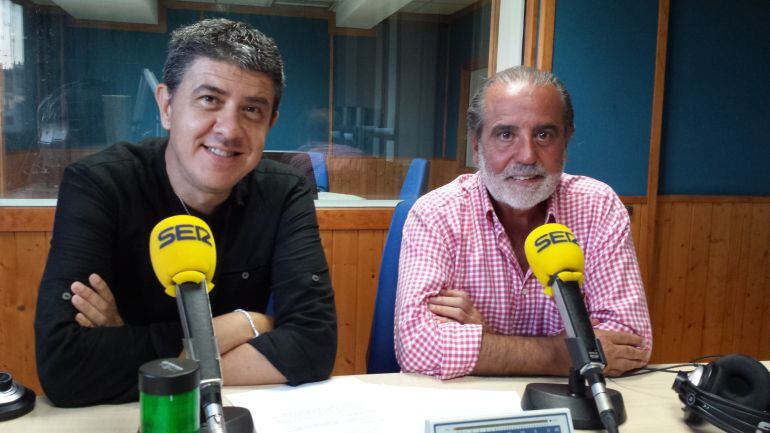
[201, 345]
[594, 407]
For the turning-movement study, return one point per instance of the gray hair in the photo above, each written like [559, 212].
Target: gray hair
[516, 74]
[227, 41]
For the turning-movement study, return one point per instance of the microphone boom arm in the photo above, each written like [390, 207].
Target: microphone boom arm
[201, 345]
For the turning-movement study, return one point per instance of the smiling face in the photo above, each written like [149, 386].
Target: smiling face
[522, 146]
[218, 119]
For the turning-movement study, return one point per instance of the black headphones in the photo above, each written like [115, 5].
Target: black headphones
[733, 393]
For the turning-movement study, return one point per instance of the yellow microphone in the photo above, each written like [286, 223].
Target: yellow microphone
[556, 259]
[184, 258]
[182, 250]
[552, 250]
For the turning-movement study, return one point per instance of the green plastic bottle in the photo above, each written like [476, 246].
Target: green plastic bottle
[169, 396]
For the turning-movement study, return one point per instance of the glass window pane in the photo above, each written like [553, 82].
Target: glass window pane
[359, 106]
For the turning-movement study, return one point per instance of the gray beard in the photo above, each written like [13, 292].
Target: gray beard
[516, 196]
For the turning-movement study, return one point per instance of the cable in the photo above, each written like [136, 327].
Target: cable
[648, 370]
[610, 424]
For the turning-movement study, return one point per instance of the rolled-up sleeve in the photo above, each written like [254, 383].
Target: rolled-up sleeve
[303, 344]
[79, 366]
[613, 284]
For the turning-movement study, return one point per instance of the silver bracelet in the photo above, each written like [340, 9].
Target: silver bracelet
[251, 322]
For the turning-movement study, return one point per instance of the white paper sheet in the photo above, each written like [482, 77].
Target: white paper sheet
[349, 405]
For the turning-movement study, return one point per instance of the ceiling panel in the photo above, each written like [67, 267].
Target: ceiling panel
[259, 3]
[125, 11]
[349, 13]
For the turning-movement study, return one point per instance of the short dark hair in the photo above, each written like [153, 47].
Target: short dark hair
[516, 74]
[228, 41]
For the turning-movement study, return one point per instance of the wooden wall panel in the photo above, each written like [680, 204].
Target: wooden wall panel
[756, 289]
[344, 272]
[740, 238]
[352, 240]
[378, 178]
[22, 259]
[369, 254]
[710, 287]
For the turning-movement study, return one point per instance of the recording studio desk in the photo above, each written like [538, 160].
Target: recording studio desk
[651, 405]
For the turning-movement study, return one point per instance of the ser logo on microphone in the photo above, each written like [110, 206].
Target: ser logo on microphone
[555, 237]
[183, 232]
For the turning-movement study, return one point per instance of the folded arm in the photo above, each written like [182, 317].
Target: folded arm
[81, 365]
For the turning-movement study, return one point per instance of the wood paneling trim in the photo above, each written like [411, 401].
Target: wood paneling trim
[26, 219]
[347, 31]
[530, 33]
[653, 164]
[40, 219]
[494, 25]
[354, 218]
[714, 199]
[545, 35]
[633, 199]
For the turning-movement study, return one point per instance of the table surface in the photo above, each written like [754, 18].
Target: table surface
[651, 404]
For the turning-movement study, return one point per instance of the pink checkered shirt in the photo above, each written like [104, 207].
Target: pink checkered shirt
[453, 239]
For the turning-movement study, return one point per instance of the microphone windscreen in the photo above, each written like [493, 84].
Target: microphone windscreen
[182, 250]
[552, 249]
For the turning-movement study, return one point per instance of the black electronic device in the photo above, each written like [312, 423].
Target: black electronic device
[732, 393]
[15, 399]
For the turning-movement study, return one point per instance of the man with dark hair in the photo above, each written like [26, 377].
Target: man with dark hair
[101, 312]
[467, 301]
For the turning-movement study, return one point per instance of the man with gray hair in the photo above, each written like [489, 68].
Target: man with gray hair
[101, 312]
[467, 301]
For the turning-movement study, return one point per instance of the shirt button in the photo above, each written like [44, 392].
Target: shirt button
[523, 292]
[315, 278]
[66, 296]
[245, 275]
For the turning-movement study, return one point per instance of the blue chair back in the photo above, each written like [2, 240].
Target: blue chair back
[319, 170]
[382, 357]
[416, 180]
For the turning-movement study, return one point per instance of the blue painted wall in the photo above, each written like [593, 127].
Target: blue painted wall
[604, 52]
[717, 104]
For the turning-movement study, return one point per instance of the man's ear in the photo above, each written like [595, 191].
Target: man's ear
[163, 99]
[475, 147]
[274, 119]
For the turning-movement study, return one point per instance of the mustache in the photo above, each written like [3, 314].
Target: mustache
[524, 170]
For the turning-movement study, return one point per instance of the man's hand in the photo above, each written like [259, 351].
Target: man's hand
[622, 351]
[95, 304]
[456, 305]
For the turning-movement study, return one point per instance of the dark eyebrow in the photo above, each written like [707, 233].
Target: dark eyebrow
[210, 88]
[214, 89]
[257, 100]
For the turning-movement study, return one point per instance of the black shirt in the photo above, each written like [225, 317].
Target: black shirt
[267, 241]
